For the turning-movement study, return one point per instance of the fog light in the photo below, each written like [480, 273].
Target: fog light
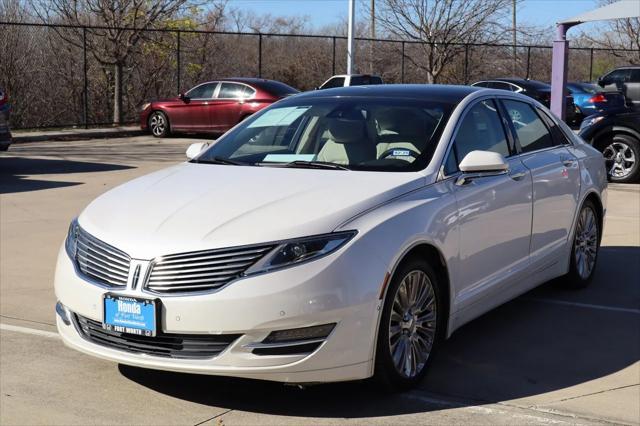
[298, 334]
[62, 312]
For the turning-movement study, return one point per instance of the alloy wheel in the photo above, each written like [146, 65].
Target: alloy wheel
[157, 123]
[412, 328]
[586, 242]
[622, 159]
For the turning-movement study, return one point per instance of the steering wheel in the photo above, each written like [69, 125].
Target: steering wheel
[406, 152]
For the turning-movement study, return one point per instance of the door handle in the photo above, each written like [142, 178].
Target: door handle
[568, 162]
[518, 175]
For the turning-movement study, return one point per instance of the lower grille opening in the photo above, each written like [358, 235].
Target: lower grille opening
[305, 349]
[170, 345]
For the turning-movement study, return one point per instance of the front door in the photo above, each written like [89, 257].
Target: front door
[192, 113]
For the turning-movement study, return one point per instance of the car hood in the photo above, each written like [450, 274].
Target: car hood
[192, 206]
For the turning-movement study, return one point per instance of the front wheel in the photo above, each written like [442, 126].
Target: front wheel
[410, 327]
[159, 124]
[623, 159]
[586, 244]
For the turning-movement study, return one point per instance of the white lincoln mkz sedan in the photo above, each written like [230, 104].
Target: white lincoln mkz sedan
[336, 235]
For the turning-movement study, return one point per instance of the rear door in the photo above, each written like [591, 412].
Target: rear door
[556, 178]
[633, 87]
[225, 110]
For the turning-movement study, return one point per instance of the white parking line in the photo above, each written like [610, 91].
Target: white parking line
[28, 330]
[583, 305]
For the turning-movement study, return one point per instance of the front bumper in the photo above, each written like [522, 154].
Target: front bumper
[324, 291]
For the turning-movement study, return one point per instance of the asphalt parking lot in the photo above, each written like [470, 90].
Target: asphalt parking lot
[549, 357]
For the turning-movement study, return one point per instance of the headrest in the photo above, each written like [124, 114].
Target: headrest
[346, 131]
[402, 122]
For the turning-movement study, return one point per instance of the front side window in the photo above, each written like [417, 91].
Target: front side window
[334, 82]
[532, 132]
[203, 91]
[361, 134]
[480, 130]
[617, 76]
[635, 76]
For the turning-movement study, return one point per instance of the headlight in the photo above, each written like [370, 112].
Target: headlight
[296, 251]
[145, 106]
[590, 122]
[71, 243]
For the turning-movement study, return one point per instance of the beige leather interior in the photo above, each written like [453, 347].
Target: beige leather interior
[348, 142]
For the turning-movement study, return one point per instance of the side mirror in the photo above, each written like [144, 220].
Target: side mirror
[602, 82]
[195, 149]
[184, 98]
[483, 162]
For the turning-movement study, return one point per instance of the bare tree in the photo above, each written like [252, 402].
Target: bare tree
[441, 26]
[124, 24]
[619, 34]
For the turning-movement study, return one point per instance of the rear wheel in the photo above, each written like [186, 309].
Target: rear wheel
[159, 124]
[586, 244]
[623, 158]
[410, 327]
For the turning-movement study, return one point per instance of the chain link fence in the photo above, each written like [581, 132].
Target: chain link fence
[56, 80]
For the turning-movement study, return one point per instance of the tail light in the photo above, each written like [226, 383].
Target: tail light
[597, 98]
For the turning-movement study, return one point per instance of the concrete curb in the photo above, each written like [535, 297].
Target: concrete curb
[75, 134]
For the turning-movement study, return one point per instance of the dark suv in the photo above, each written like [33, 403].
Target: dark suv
[625, 80]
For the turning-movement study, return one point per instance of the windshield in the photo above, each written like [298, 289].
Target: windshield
[377, 134]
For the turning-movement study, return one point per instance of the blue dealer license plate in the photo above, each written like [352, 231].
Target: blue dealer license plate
[129, 315]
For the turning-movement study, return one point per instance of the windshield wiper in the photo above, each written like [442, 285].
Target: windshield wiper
[315, 165]
[219, 160]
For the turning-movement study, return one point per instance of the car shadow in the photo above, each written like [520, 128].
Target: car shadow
[16, 173]
[547, 340]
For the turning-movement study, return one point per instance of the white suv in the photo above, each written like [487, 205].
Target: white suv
[345, 80]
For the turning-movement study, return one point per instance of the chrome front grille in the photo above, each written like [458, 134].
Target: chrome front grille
[204, 270]
[100, 261]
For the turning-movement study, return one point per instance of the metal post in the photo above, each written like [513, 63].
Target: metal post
[528, 61]
[178, 61]
[559, 70]
[350, 35]
[515, 40]
[260, 55]
[333, 64]
[591, 64]
[402, 65]
[466, 64]
[372, 36]
[85, 110]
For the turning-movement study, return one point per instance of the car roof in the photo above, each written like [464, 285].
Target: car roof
[448, 93]
[247, 80]
[354, 75]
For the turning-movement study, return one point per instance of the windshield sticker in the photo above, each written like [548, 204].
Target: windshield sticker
[288, 158]
[279, 117]
[401, 152]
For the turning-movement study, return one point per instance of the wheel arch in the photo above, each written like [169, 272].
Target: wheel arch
[432, 254]
[604, 136]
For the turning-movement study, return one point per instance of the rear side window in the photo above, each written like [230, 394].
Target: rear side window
[231, 91]
[362, 80]
[500, 85]
[481, 129]
[531, 130]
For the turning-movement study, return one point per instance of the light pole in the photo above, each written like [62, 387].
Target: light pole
[515, 41]
[350, 46]
[372, 35]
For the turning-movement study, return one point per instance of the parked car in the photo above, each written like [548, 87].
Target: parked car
[617, 135]
[538, 90]
[334, 236]
[5, 133]
[625, 80]
[345, 80]
[591, 99]
[212, 107]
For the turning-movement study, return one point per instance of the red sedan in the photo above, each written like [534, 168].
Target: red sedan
[212, 107]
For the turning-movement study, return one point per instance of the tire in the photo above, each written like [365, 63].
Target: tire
[585, 248]
[159, 124]
[426, 335]
[623, 158]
